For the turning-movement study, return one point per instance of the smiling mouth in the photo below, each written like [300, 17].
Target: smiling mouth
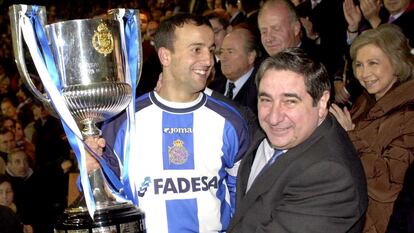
[280, 129]
[273, 45]
[370, 83]
[201, 72]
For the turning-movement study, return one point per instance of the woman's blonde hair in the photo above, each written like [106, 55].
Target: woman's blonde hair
[390, 39]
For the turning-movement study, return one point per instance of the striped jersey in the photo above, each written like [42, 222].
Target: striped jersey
[184, 170]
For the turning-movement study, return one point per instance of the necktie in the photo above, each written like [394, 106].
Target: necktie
[272, 159]
[275, 155]
[230, 89]
[391, 19]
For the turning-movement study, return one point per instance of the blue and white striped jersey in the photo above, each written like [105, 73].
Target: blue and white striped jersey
[184, 170]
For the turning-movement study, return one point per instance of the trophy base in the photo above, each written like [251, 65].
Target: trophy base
[111, 217]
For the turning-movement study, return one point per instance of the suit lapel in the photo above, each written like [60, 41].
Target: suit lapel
[265, 181]
[240, 97]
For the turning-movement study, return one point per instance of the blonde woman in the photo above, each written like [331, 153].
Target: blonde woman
[381, 123]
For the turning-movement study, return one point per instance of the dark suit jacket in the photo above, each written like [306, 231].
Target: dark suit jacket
[311, 48]
[405, 22]
[247, 96]
[317, 186]
[239, 18]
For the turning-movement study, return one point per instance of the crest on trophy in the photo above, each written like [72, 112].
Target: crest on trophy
[102, 40]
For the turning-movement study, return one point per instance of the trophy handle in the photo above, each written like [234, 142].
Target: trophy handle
[18, 50]
[118, 12]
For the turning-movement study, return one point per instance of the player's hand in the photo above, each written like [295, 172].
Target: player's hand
[96, 145]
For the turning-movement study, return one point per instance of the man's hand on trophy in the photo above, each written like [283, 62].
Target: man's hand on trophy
[96, 145]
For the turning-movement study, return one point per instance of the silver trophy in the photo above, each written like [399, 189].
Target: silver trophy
[91, 65]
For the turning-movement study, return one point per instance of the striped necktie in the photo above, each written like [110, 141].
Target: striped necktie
[272, 160]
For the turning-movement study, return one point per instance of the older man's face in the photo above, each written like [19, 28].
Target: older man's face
[286, 110]
[276, 29]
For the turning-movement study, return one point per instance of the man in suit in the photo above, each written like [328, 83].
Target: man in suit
[302, 174]
[236, 16]
[238, 54]
[251, 8]
[402, 15]
[280, 28]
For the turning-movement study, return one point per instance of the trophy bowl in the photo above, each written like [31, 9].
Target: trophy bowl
[88, 55]
[96, 102]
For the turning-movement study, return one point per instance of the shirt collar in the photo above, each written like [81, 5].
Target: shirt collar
[234, 16]
[240, 82]
[397, 15]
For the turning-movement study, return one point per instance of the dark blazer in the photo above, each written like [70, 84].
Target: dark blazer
[317, 186]
[239, 18]
[247, 96]
[405, 22]
[311, 48]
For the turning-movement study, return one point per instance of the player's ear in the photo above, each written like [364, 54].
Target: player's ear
[165, 56]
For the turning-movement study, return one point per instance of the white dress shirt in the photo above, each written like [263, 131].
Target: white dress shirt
[263, 154]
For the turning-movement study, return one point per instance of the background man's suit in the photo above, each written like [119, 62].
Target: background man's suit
[247, 96]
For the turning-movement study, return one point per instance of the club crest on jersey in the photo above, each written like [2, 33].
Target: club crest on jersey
[177, 153]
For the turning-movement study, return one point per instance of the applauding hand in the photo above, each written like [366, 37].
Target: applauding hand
[342, 116]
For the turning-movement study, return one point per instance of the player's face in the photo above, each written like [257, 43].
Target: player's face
[286, 110]
[192, 59]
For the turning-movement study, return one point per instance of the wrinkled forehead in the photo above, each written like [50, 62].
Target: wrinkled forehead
[273, 11]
